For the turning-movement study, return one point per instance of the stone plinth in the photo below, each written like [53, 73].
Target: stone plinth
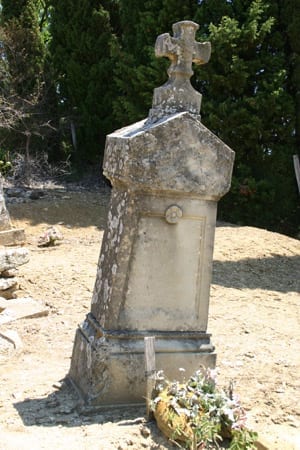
[14, 236]
[154, 272]
[8, 235]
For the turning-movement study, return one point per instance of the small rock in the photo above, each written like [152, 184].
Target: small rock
[7, 283]
[145, 432]
[9, 273]
[15, 192]
[35, 195]
[57, 385]
[50, 237]
[21, 308]
[10, 293]
[11, 258]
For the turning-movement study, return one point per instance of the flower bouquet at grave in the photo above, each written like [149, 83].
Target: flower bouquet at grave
[196, 415]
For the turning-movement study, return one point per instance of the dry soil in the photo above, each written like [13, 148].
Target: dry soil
[254, 321]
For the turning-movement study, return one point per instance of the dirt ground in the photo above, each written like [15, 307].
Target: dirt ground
[254, 321]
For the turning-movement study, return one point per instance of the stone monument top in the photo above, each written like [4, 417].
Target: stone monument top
[177, 94]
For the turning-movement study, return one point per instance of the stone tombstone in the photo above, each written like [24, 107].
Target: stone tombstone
[5, 223]
[154, 272]
[8, 234]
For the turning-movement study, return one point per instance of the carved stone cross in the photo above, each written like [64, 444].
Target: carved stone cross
[182, 49]
[177, 94]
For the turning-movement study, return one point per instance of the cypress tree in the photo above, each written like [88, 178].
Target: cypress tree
[248, 104]
[24, 45]
[83, 47]
[27, 123]
[288, 19]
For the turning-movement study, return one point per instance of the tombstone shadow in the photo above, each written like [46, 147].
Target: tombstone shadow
[275, 273]
[62, 408]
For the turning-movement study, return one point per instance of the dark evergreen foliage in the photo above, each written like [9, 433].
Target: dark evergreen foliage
[28, 117]
[248, 103]
[102, 52]
[83, 47]
[138, 71]
[24, 47]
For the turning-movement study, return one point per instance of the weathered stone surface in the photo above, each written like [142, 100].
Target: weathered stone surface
[155, 265]
[11, 258]
[7, 283]
[176, 155]
[11, 273]
[168, 266]
[12, 237]
[8, 235]
[4, 216]
[8, 287]
[177, 94]
[112, 367]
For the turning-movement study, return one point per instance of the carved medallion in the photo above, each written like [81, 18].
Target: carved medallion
[173, 214]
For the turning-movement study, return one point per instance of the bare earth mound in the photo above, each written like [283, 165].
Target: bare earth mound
[254, 320]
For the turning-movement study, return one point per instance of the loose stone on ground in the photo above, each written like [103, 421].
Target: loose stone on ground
[20, 308]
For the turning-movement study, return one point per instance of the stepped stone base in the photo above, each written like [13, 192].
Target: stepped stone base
[108, 366]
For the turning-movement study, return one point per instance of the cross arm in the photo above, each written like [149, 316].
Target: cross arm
[166, 46]
[202, 51]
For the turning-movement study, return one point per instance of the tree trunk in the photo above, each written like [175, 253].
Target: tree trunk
[27, 157]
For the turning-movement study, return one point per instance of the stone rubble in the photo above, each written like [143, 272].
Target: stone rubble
[10, 259]
[8, 287]
[50, 237]
[21, 307]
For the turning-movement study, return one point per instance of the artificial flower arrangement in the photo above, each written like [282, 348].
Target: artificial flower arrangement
[194, 414]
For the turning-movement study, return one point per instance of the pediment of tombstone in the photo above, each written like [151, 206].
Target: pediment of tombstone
[176, 154]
